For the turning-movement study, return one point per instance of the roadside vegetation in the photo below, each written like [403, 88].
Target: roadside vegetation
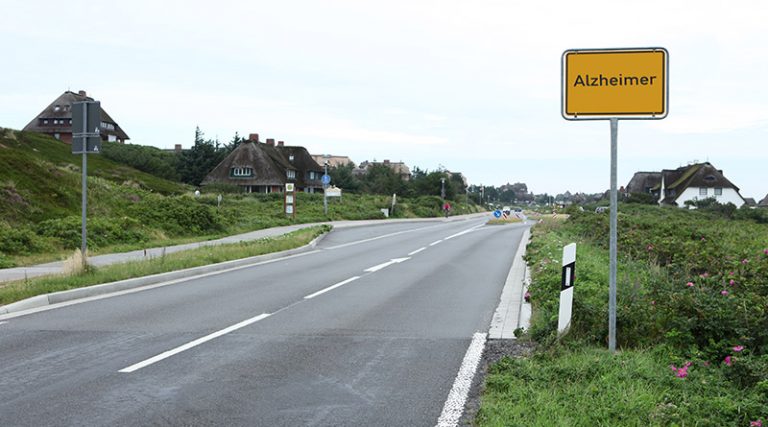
[16, 291]
[128, 209]
[692, 324]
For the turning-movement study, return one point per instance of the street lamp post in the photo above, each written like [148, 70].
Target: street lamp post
[325, 187]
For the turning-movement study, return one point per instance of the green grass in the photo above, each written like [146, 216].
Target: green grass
[16, 291]
[40, 205]
[592, 387]
[662, 320]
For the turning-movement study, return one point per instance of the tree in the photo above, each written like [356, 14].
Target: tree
[199, 160]
[380, 179]
[342, 177]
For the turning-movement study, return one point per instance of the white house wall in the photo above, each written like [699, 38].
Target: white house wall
[692, 193]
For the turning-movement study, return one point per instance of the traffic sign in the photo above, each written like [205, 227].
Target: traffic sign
[566, 288]
[326, 179]
[623, 83]
[497, 213]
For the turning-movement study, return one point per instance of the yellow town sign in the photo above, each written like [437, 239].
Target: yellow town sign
[621, 83]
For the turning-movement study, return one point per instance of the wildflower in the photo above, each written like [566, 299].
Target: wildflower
[527, 296]
[682, 371]
[704, 276]
[731, 273]
[689, 284]
[724, 293]
[732, 282]
[738, 348]
[650, 248]
[765, 251]
[727, 361]
[756, 423]
[653, 302]
[703, 239]
[744, 261]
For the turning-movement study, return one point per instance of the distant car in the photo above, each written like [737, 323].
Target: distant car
[601, 209]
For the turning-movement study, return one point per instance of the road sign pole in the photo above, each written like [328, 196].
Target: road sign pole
[83, 233]
[614, 213]
[325, 189]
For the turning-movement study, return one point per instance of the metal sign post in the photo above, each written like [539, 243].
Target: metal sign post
[613, 84]
[86, 138]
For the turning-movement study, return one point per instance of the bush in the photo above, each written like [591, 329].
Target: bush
[100, 231]
[180, 216]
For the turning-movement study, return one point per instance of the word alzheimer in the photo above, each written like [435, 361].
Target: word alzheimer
[621, 80]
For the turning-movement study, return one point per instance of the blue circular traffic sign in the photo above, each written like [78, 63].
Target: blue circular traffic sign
[497, 213]
[326, 179]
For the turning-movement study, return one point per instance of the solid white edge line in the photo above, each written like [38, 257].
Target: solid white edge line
[417, 251]
[454, 405]
[434, 243]
[332, 287]
[192, 344]
[2, 323]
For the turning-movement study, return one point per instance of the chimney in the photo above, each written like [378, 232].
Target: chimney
[386, 162]
[253, 137]
[280, 143]
[81, 93]
[177, 148]
[271, 142]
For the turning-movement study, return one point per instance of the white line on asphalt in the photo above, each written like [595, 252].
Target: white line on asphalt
[192, 344]
[330, 288]
[464, 232]
[2, 323]
[417, 251]
[379, 237]
[434, 243]
[454, 405]
[376, 268]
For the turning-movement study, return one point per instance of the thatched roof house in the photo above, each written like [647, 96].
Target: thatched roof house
[56, 120]
[696, 182]
[644, 182]
[763, 203]
[266, 168]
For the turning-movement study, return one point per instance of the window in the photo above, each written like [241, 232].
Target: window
[57, 136]
[45, 121]
[718, 191]
[291, 174]
[244, 171]
[702, 191]
[57, 108]
[290, 158]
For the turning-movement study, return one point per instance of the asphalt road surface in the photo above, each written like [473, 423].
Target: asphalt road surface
[370, 328]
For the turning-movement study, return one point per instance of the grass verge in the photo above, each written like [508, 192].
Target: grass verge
[16, 291]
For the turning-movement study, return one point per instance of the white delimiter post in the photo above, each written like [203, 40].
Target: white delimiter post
[614, 210]
[566, 288]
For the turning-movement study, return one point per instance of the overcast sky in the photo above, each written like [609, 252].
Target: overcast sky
[472, 86]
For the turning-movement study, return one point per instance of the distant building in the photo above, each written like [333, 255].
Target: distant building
[399, 168]
[265, 168]
[333, 161]
[763, 203]
[56, 120]
[694, 182]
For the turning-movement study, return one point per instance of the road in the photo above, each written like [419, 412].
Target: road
[370, 328]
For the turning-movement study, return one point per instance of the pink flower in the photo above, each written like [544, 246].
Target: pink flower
[744, 261]
[727, 361]
[704, 276]
[765, 251]
[724, 293]
[650, 248]
[689, 284]
[527, 296]
[757, 423]
[653, 302]
[731, 273]
[732, 282]
[703, 239]
[682, 371]
[738, 348]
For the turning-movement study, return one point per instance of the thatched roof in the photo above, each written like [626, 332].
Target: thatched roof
[696, 175]
[266, 171]
[763, 203]
[60, 110]
[643, 182]
[269, 164]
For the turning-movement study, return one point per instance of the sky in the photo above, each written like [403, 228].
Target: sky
[469, 86]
